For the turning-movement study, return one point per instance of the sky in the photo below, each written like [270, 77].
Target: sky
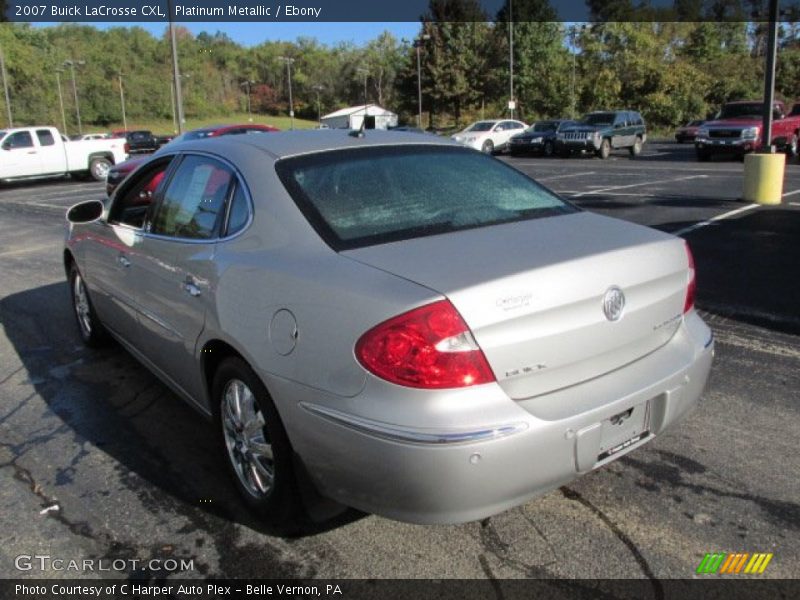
[251, 34]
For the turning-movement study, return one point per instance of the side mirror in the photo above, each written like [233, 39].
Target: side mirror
[6, 146]
[85, 212]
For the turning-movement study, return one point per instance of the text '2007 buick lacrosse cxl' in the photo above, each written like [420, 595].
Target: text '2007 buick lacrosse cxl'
[415, 328]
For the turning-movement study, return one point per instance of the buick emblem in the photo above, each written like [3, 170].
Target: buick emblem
[613, 303]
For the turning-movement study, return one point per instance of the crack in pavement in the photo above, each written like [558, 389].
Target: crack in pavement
[658, 588]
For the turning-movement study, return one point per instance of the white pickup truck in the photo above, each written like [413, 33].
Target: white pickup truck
[30, 152]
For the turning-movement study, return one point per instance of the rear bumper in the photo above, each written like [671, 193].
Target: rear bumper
[448, 468]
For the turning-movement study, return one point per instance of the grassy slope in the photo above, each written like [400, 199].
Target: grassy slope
[164, 126]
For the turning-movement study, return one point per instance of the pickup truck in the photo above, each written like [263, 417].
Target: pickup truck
[737, 129]
[33, 152]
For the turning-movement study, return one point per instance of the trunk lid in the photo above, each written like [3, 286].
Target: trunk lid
[532, 293]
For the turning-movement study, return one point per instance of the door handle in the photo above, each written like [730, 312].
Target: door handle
[31, 151]
[190, 288]
[123, 260]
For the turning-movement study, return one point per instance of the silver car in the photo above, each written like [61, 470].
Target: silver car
[391, 321]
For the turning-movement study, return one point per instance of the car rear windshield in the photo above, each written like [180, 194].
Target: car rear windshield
[366, 196]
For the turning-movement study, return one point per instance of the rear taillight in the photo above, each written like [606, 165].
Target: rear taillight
[691, 286]
[127, 148]
[429, 347]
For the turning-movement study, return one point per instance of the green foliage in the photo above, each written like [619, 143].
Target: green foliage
[670, 71]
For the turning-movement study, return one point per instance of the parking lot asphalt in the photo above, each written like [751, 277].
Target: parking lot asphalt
[99, 460]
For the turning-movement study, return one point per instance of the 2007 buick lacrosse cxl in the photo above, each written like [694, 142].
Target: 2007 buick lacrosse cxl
[417, 329]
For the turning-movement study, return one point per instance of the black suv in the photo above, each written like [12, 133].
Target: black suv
[602, 131]
[141, 141]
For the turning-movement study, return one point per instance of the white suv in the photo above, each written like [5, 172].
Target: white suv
[490, 136]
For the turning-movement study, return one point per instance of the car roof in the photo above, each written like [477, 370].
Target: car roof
[282, 144]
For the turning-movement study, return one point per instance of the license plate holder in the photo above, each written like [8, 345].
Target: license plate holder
[624, 429]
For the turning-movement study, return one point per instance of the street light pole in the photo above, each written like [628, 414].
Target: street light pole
[418, 45]
[249, 84]
[289, 62]
[769, 77]
[5, 88]
[122, 101]
[511, 56]
[71, 64]
[61, 100]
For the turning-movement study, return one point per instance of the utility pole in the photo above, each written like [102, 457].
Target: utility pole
[318, 89]
[511, 103]
[5, 87]
[418, 44]
[71, 64]
[122, 101]
[61, 100]
[289, 62]
[365, 73]
[176, 74]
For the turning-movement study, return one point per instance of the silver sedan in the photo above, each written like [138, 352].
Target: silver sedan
[392, 322]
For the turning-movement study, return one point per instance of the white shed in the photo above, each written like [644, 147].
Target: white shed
[352, 117]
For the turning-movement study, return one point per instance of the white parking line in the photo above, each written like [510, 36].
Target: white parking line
[567, 175]
[713, 219]
[791, 193]
[794, 203]
[630, 185]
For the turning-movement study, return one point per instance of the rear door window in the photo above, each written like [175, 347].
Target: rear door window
[45, 137]
[193, 206]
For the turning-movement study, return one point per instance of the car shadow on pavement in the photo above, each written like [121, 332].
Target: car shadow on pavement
[747, 267]
[110, 400]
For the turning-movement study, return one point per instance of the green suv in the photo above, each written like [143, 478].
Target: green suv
[602, 131]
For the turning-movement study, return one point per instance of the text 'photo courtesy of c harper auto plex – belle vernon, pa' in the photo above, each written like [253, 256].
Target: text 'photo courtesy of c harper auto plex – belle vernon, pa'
[424, 299]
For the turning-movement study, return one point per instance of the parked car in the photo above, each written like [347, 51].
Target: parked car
[141, 142]
[122, 170]
[737, 130]
[28, 152]
[490, 136]
[688, 132]
[539, 138]
[421, 347]
[602, 131]
[163, 140]
[88, 136]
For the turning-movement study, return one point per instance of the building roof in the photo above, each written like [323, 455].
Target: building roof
[373, 110]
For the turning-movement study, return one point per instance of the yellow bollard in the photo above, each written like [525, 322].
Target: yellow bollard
[763, 178]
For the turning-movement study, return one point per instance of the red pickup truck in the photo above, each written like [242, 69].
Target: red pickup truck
[737, 130]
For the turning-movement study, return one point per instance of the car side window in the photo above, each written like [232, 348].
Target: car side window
[134, 201]
[500, 127]
[20, 139]
[194, 201]
[45, 137]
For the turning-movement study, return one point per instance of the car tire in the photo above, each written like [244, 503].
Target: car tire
[605, 149]
[488, 147]
[90, 328]
[99, 168]
[636, 149]
[548, 149]
[254, 442]
[791, 147]
[703, 156]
